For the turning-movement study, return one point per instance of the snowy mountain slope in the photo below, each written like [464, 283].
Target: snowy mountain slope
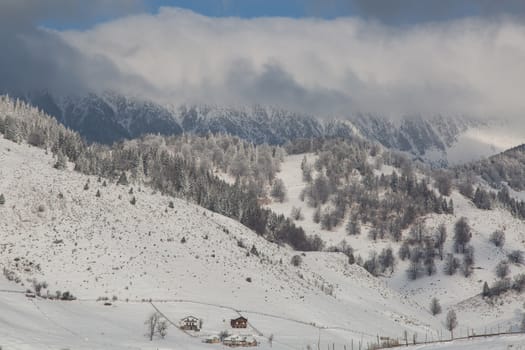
[457, 292]
[55, 230]
[109, 117]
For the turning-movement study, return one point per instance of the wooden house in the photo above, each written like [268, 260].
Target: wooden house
[239, 322]
[190, 323]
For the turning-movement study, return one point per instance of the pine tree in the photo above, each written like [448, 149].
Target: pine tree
[353, 227]
[11, 131]
[435, 307]
[123, 179]
[278, 191]
[133, 200]
[486, 290]
[61, 160]
[2, 199]
[98, 193]
[462, 234]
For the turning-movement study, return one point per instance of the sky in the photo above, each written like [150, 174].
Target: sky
[322, 57]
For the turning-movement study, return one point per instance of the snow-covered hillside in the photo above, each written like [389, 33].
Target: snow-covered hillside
[55, 228]
[454, 292]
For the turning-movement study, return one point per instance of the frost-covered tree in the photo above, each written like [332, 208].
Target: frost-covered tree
[151, 324]
[296, 214]
[443, 183]
[278, 191]
[462, 234]
[451, 264]
[123, 179]
[482, 199]
[353, 227]
[440, 238]
[404, 251]
[435, 307]
[387, 260]
[486, 290]
[451, 322]
[502, 269]
[61, 161]
[162, 328]
[468, 261]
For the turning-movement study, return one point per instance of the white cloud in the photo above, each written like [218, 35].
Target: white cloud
[470, 66]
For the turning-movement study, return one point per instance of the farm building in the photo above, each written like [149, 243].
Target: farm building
[240, 340]
[212, 339]
[190, 323]
[239, 322]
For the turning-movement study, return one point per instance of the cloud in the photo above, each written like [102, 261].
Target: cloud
[37, 59]
[417, 11]
[473, 66]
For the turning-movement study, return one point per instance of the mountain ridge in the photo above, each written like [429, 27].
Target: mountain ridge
[111, 117]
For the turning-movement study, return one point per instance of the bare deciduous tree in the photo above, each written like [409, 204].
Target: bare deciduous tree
[451, 322]
[151, 324]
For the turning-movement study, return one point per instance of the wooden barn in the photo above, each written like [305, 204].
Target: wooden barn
[239, 322]
[190, 323]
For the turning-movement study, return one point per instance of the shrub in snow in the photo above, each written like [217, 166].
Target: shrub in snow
[519, 283]
[502, 269]
[297, 260]
[516, 257]
[497, 238]
[500, 287]
[296, 214]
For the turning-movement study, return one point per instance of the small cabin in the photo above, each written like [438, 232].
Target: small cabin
[190, 323]
[239, 322]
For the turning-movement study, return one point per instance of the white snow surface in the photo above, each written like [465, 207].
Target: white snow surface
[454, 292]
[104, 246]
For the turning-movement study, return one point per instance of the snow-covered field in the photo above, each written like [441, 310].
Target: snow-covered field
[456, 292]
[186, 259]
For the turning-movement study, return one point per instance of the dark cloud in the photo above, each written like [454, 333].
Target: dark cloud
[408, 12]
[37, 59]
[274, 86]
